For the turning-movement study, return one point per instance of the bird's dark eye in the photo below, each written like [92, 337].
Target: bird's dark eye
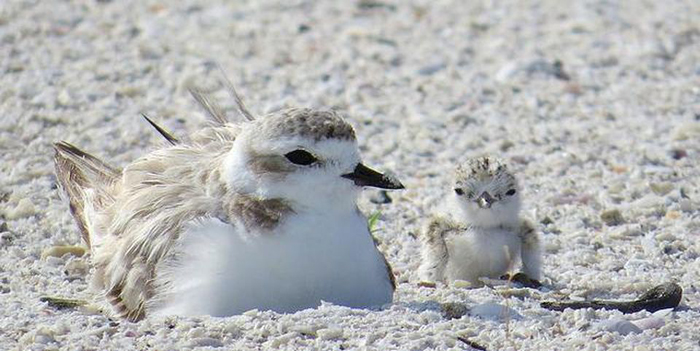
[510, 192]
[459, 191]
[301, 157]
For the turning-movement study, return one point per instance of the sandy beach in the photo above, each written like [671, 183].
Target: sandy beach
[594, 104]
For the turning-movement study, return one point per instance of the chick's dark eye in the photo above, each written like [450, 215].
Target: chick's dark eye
[459, 191]
[510, 192]
[300, 157]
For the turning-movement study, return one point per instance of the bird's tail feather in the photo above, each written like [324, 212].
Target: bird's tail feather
[86, 180]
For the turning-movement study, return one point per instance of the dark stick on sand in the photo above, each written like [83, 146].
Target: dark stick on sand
[471, 344]
[61, 303]
[658, 298]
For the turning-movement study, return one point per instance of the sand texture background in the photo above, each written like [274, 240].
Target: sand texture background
[595, 104]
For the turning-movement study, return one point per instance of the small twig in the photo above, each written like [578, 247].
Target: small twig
[658, 298]
[507, 309]
[61, 303]
[471, 344]
[431, 285]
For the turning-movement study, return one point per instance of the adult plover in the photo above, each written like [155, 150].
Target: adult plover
[255, 215]
[482, 234]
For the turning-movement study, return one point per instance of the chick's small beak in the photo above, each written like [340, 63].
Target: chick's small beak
[485, 200]
[365, 176]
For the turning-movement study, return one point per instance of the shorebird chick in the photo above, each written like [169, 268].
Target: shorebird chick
[259, 215]
[482, 234]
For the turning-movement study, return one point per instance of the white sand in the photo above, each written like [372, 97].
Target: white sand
[426, 85]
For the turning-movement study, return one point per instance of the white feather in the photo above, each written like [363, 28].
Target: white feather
[481, 253]
[221, 270]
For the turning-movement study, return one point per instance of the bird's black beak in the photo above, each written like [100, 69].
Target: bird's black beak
[485, 200]
[365, 176]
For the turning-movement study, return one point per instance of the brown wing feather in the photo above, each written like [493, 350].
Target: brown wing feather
[215, 111]
[209, 105]
[167, 135]
[78, 171]
[242, 109]
[389, 270]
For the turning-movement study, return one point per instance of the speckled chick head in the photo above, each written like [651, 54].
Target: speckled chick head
[487, 192]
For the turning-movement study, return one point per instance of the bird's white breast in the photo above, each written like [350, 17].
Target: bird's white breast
[220, 269]
[480, 252]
